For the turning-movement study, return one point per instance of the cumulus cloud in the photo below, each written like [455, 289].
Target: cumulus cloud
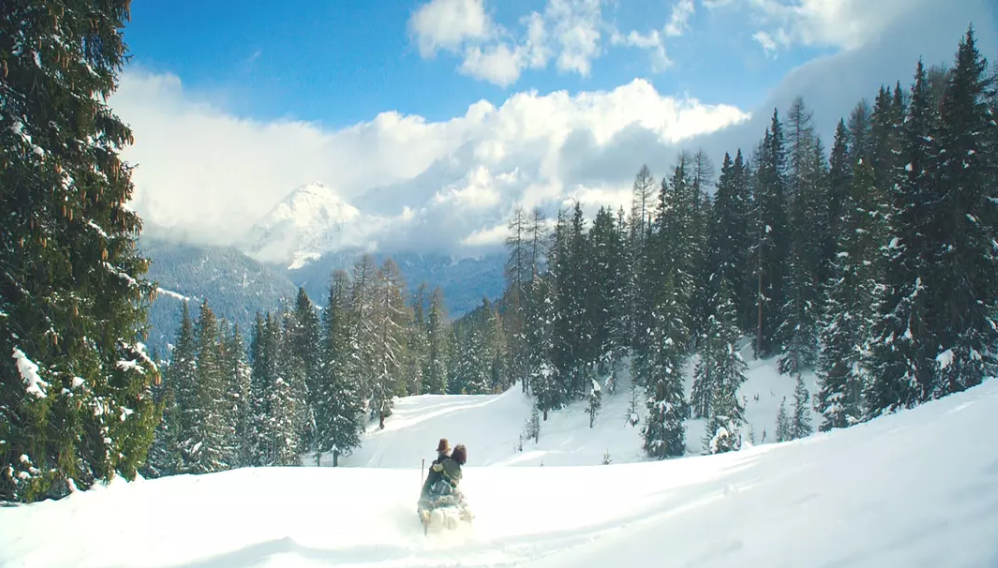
[568, 32]
[209, 173]
[447, 24]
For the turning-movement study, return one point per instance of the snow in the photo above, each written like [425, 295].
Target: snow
[910, 489]
[491, 425]
[172, 294]
[945, 359]
[97, 228]
[29, 374]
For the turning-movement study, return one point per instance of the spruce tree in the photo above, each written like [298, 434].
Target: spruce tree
[240, 394]
[901, 361]
[721, 372]
[339, 409]
[798, 330]
[206, 451]
[800, 420]
[770, 248]
[783, 428]
[284, 403]
[965, 296]
[851, 297]
[435, 364]
[304, 339]
[76, 402]
[660, 368]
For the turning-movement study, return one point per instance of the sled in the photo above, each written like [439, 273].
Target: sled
[447, 511]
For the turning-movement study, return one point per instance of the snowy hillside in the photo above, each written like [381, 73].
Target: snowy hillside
[915, 489]
[311, 220]
[491, 425]
[235, 286]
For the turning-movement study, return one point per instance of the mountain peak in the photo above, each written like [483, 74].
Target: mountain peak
[309, 221]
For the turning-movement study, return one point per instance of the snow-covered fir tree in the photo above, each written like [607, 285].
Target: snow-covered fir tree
[76, 401]
[721, 372]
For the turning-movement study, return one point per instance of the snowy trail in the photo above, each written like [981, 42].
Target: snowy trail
[916, 489]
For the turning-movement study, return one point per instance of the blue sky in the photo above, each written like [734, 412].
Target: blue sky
[430, 120]
[341, 62]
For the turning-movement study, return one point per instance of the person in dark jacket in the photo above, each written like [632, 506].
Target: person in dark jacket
[450, 468]
[443, 452]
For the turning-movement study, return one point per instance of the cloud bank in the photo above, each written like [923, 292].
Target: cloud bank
[208, 174]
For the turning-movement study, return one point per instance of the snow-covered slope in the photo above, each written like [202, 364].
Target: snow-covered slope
[311, 220]
[490, 426]
[919, 488]
[915, 489]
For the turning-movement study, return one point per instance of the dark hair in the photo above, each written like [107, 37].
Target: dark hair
[443, 446]
[460, 454]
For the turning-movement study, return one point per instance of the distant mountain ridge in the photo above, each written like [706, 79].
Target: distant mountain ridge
[237, 286]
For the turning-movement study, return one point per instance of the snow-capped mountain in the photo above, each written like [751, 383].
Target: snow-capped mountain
[311, 220]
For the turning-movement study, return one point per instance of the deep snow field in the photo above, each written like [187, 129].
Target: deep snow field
[919, 488]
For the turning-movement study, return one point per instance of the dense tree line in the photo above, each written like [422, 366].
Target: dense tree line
[310, 380]
[872, 264]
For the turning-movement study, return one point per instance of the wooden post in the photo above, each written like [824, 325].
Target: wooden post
[422, 466]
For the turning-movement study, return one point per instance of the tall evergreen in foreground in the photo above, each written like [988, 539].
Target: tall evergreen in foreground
[76, 404]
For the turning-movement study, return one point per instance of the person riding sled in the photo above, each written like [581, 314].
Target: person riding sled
[441, 486]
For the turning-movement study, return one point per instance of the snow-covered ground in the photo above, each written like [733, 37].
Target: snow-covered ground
[490, 426]
[919, 488]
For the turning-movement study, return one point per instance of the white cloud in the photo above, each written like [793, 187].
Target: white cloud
[682, 10]
[651, 42]
[207, 173]
[766, 41]
[843, 24]
[567, 31]
[447, 24]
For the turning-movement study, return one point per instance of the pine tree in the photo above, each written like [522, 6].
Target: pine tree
[965, 295]
[798, 331]
[517, 274]
[721, 372]
[416, 343]
[783, 428]
[800, 421]
[851, 296]
[284, 402]
[303, 340]
[392, 319]
[661, 370]
[165, 457]
[240, 377]
[76, 402]
[901, 362]
[771, 238]
[205, 449]
[260, 378]
[364, 333]
[728, 240]
[339, 409]
[435, 364]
